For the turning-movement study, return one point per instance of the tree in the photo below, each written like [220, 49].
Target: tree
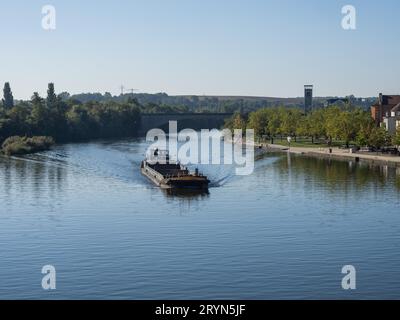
[289, 121]
[51, 101]
[274, 124]
[332, 123]
[363, 135]
[365, 125]
[347, 127]
[39, 117]
[316, 124]
[64, 96]
[79, 123]
[396, 137]
[19, 124]
[8, 101]
[341, 124]
[258, 121]
[107, 96]
[36, 99]
[236, 122]
[304, 127]
[378, 137]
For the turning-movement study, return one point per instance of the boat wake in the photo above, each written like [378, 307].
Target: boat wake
[121, 160]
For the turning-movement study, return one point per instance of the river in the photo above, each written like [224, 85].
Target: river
[283, 232]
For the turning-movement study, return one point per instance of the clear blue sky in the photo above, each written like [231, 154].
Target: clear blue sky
[214, 47]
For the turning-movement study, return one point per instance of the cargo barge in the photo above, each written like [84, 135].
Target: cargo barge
[167, 174]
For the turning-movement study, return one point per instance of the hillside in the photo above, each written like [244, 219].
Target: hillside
[211, 103]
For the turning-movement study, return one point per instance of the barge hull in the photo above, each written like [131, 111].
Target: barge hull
[186, 182]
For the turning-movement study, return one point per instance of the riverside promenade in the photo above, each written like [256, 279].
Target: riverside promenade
[339, 154]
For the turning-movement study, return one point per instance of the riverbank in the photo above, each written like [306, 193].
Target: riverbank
[337, 154]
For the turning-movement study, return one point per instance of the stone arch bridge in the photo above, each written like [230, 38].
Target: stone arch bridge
[196, 121]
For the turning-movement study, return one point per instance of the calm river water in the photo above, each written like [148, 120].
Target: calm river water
[283, 232]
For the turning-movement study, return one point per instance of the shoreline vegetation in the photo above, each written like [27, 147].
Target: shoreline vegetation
[64, 120]
[35, 125]
[337, 132]
[32, 125]
[344, 126]
[87, 117]
[17, 145]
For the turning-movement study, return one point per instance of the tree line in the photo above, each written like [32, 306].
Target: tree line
[214, 104]
[345, 123]
[198, 104]
[66, 119]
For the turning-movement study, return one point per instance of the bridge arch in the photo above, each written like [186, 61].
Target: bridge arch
[194, 121]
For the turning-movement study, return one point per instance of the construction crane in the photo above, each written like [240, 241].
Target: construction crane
[133, 90]
[122, 88]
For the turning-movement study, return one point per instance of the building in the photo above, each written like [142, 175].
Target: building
[392, 121]
[308, 98]
[383, 107]
[387, 111]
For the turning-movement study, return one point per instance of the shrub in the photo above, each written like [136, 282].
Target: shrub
[23, 145]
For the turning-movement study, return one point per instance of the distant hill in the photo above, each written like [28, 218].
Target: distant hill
[211, 103]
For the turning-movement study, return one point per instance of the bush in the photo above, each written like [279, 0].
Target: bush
[23, 145]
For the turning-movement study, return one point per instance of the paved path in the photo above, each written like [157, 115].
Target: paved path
[339, 153]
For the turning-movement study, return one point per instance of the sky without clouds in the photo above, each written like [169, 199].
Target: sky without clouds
[213, 47]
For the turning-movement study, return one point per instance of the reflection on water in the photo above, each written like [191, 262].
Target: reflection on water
[347, 176]
[23, 176]
[283, 232]
[188, 194]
